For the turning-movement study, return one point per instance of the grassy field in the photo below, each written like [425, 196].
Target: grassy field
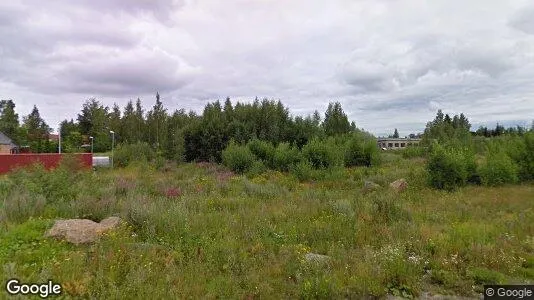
[198, 231]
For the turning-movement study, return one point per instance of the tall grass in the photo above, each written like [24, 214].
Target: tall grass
[227, 235]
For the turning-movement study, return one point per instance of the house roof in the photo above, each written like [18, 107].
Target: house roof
[5, 140]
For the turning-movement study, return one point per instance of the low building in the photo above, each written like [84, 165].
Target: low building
[397, 143]
[6, 144]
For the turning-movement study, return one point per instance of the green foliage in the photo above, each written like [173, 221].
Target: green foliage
[20, 205]
[9, 120]
[322, 154]
[303, 171]
[523, 155]
[413, 151]
[284, 157]
[126, 154]
[93, 121]
[36, 131]
[235, 237]
[485, 276]
[257, 168]
[444, 129]
[361, 152]
[497, 169]
[262, 150]
[386, 207]
[336, 121]
[56, 186]
[238, 158]
[519, 148]
[449, 168]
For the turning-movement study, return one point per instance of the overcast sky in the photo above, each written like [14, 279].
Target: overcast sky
[391, 63]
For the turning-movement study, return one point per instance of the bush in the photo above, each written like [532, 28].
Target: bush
[498, 169]
[321, 154]
[20, 205]
[450, 168]
[521, 151]
[262, 150]
[284, 157]
[361, 152]
[303, 171]
[413, 151]
[238, 158]
[257, 168]
[485, 276]
[354, 153]
[125, 154]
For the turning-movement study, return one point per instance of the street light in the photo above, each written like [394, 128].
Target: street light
[112, 145]
[91, 144]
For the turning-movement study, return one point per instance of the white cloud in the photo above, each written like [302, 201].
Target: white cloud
[379, 58]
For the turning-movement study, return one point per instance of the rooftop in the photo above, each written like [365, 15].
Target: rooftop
[5, 140]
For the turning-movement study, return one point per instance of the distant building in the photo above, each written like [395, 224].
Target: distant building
[397, 143]
[6, 144]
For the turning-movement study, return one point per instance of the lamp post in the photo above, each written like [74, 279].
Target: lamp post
[92, 138]
[112, 145]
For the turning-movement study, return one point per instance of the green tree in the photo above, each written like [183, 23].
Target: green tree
[9, 120]
[396, 134]
[37, 131]
[444, 130]
[129, 124]
[94, 121]
[140, 121]
[335, 121]
[156, 123]
[115, 121]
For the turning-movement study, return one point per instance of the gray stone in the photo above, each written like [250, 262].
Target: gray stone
[81, 231]
[370, 186]
[399, 185]
[316, 258]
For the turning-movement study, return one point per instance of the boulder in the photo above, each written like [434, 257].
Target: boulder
[399, 185]
[81, 231]
[370, 186]
[316, 258]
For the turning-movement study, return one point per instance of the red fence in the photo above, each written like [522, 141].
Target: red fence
[9, 162]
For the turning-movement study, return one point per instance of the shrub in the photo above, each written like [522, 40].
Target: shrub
[498, 169]
[386, 207]
[303, 171]
[20, 205]
[257, 168]
[321, 154]
[125, 154]
[262, 150]
[361, 152]
[521, 151]
[413, 151]
[238, 158]
[284, 157]
[450, 168]
[485, 276]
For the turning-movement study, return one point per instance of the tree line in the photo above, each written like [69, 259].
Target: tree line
[505, 156]
[179, 135]
[33, 131]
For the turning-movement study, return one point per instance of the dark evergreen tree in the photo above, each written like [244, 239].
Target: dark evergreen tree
[335, 121]
[37, 131]
[9, 120]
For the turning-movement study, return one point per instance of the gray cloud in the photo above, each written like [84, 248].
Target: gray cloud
[379, 58]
